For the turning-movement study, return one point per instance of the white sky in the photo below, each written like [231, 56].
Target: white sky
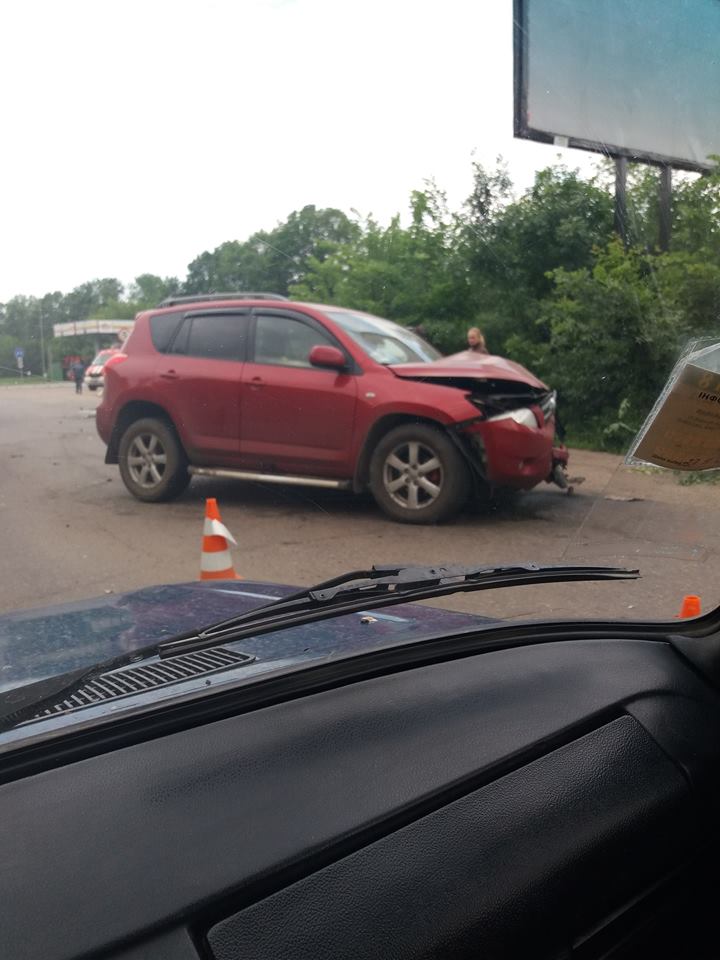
[138, 133]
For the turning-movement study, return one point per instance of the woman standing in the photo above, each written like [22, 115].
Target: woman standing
[476, 340]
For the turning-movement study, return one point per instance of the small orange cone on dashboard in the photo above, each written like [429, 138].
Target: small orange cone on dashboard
[690, 607]
[215, 560]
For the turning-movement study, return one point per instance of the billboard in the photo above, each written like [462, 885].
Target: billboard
[634, 78]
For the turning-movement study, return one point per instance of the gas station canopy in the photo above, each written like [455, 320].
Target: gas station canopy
[84, 327]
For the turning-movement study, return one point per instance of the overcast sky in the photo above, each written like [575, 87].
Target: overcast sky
[138, 133]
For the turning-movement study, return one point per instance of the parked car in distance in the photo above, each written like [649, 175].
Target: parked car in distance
[261, 388]
[94, 375]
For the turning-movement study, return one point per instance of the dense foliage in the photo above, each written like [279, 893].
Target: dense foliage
[541, 273]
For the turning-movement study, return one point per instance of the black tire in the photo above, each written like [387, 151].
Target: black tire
[402, 476]
[160, 473]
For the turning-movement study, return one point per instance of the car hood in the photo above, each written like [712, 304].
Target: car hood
[469, 365]
[35, 644]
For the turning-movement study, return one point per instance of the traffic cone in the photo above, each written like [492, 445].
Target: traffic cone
[215, 560]
[690, 607]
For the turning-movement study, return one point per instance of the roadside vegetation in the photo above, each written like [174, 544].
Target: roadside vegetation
[542, 273]
[16, 381]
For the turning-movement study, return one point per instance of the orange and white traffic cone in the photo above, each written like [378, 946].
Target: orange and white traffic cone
[690, 607]
[215, 560]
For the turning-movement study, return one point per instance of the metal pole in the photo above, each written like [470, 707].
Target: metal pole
[621, 199]
[42, 345]
[665, 207]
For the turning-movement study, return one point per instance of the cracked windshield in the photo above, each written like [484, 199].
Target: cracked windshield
[293, 288]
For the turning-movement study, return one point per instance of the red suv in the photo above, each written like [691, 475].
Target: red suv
[256, 387]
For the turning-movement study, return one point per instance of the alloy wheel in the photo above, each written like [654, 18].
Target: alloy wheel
[413, 475]
[147, 460]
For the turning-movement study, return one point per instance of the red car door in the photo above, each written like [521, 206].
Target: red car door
[199, 383]
[295, 418]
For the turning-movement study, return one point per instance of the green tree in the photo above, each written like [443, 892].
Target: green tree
[611, 338]
[83, 301]
[557, 223]
[415, 275]
[148, 290]
[696, 215]
[8, 364]
[271, 260]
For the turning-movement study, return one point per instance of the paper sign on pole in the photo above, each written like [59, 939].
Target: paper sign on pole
[683, 429]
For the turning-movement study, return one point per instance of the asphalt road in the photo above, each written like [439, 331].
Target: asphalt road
[69, 529]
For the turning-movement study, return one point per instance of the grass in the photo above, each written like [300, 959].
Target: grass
[22, 381]
[595, 440]
[697, 476]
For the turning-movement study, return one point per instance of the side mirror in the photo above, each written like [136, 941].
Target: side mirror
[326, 356]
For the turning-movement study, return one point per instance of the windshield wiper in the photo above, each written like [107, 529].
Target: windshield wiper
[381, 586]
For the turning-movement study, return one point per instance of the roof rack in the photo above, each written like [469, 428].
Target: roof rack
[204, 297]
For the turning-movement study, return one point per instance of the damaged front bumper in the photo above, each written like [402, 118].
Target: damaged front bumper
[517, 450]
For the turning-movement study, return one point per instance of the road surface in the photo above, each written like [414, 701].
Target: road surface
[70, 530]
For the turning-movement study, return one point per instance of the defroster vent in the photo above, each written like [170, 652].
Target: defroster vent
[148, 676]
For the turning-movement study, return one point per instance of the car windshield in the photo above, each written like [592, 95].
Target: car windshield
[384, 341]
[460, 307]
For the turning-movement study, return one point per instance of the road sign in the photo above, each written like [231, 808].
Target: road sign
[20, 362]
[19, 353]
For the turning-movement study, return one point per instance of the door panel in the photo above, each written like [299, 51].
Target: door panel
[295, 417]
[200, 382]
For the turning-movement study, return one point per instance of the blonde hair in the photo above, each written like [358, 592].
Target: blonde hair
[479, 333]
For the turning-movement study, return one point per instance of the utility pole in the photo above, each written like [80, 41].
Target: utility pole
[42, 343]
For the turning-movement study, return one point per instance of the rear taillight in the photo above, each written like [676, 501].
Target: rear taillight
[115, 360]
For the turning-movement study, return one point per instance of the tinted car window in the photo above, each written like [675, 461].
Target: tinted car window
[215, 336]
[162, 328]
[287, 342]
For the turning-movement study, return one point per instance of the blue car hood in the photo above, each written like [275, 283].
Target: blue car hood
[35, 644]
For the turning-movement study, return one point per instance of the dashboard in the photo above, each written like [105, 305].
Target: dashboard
[550, 800]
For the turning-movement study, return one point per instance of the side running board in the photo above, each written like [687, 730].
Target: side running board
[283, 478]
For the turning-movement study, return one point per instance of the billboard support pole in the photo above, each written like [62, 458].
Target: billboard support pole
[665, 207]
[621, 199]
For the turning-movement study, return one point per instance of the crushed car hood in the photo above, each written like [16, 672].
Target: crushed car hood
[35, 644]
[469, 365]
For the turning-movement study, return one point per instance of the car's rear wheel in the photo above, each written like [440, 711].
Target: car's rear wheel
[417, 475]
[153, 465]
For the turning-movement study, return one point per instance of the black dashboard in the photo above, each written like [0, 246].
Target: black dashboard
[550, 800]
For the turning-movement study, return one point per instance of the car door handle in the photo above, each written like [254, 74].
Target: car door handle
[256, 383]
[170, 375]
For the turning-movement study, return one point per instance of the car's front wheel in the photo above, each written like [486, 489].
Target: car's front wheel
[152, 462]
[417, 475]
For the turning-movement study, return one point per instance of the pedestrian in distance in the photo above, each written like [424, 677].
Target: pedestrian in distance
[476, 341]
[78, 372]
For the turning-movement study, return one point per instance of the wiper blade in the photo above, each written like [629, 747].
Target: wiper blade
[381, 586]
